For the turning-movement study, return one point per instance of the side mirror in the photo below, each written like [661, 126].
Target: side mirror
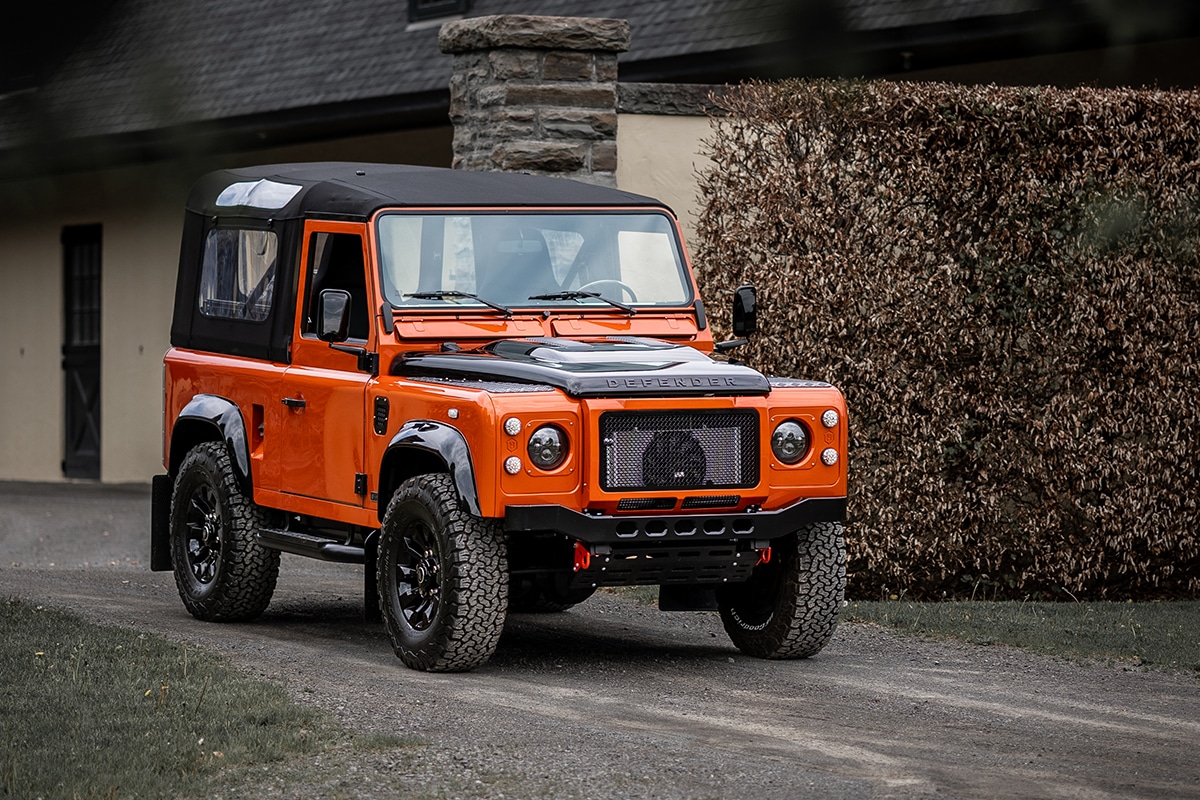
[745, 312]
[333, 315]
[745, 318]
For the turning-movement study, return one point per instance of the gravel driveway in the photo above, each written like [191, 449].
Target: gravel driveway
[613, 699]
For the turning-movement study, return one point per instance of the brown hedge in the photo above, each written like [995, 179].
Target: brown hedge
[1005, 283]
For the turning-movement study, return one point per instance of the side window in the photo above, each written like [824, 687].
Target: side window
[335, 261]
[237, 278]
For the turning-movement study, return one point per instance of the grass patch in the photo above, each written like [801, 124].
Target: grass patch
[1165, 635]
[96, 711]
[642, 595]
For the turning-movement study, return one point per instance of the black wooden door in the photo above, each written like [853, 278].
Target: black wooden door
[81, 350]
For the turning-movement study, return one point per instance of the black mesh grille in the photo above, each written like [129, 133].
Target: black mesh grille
[719, 501]
[678, 450]
[645, 503]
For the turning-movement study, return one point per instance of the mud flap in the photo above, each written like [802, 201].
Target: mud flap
[371, 610]
[160, 523]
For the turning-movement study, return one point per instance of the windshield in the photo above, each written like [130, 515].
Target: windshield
[576, 259]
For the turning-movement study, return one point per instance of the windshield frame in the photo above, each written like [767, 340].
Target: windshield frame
[611, 297]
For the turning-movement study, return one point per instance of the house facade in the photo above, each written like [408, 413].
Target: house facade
[102, 135]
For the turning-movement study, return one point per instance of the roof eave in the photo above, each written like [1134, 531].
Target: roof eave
[251, 132]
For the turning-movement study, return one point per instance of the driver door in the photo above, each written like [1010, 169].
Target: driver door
[324, 392]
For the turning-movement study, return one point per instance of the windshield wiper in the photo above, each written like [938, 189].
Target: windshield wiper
[578, 295]
[442, 294]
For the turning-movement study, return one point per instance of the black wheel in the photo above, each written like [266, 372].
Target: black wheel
[223, 573]
[789, 607]
[542, 597]
[443, 578]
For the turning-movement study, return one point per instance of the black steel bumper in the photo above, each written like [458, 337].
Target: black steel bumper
[759, 525]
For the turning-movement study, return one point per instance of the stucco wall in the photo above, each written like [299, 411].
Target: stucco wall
[141, 211]
[141, 248]
[659, 156]
[31, 394]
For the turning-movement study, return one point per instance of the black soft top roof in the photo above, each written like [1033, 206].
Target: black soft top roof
[355, 190]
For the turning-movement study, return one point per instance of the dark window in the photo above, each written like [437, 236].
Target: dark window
[336, 262]
[81, 282]
[81, 350]
[237, 278]
[433, 9]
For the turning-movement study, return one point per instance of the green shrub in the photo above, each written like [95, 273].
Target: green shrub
[1005, 283]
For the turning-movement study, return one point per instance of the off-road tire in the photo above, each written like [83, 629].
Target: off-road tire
[442, 577]
[789, 607]
[222, 572]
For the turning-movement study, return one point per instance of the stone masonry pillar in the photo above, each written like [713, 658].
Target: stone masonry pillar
[536, 94]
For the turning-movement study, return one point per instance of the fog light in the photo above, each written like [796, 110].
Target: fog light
[829, 456]
[512, 465]
[789, 442]
[830, 419]
[547, 447]
[512, 426]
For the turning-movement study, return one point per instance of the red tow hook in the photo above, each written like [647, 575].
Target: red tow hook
[583, 557]
[764, 557]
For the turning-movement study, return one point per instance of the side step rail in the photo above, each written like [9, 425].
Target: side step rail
[304, 544]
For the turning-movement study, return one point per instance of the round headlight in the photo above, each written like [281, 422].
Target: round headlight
[789, 442]
[547, 447]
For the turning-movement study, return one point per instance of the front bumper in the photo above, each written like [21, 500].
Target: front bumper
[603, 529]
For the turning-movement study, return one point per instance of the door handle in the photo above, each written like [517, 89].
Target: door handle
[294, 402]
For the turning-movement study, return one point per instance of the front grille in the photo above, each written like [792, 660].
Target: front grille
[678, 450]
[719, 501]
[645, 503]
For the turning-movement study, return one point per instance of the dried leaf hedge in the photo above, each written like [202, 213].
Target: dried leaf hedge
[1005, 283]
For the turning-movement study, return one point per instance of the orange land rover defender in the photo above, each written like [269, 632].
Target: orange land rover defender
[497, 392]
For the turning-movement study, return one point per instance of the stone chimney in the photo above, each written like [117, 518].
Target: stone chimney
[536, 94]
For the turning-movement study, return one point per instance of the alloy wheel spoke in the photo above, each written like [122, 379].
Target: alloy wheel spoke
[422, 615]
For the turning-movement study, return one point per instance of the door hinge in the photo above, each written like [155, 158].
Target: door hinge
[360, 483]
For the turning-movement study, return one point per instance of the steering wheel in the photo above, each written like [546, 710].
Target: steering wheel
[625, 287]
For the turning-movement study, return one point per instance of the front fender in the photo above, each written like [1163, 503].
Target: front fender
[422, 446]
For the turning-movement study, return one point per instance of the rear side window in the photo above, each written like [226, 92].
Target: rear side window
[237, 278]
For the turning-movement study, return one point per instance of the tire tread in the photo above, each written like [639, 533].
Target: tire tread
[476, 591]
[248, 572]
[806, 611]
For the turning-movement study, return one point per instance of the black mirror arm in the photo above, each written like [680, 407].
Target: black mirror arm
[367, 361]
[722, 347]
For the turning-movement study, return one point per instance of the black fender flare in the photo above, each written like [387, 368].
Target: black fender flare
[434, 440]
[224, 418]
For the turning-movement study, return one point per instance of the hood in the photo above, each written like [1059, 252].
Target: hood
[610, 367]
